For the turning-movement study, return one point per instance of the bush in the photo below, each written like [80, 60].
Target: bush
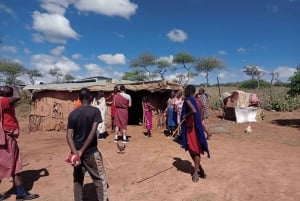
[295, 83]
[288, 103]
[252, 84]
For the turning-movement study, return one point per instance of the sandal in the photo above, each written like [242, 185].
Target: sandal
[27, 196]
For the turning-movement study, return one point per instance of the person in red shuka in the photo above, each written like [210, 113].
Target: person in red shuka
[10, 159]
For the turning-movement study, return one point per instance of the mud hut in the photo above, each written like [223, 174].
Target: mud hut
[52, 103]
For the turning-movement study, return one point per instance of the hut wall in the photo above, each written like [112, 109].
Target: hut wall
[50, 109]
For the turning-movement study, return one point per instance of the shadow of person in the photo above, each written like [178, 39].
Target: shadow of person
[183, 165]
[29, 177]
[89, 192]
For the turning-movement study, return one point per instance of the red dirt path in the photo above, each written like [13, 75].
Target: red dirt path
[260, 166]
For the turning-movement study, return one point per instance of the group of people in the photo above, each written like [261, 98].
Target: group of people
[174, 109]
[85, 123]
[185, 114]
[186, 111]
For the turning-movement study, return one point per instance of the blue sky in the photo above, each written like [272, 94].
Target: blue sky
[101, 37]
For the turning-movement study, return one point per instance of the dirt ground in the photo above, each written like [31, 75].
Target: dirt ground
[260, 166]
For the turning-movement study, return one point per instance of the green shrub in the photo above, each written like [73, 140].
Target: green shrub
[295, 83]
[288, 103]
[252, 84]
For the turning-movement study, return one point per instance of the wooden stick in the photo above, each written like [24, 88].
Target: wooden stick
[144, 179]
[177, 129]
[150, 165]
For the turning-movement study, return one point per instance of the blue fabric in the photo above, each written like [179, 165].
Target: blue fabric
[172, 117]
[198, 126]
[20, 190]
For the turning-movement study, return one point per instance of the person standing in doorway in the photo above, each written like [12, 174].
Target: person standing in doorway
[148, 107]
[100, 103]
[10, 158]
[171, 114]
[110, 101]
[82, 141]
[122, 102]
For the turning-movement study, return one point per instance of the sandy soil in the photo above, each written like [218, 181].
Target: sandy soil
[260, 166]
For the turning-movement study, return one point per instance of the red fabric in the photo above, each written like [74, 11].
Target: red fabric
[113, 107]
[72, 159]
[193, 143]
[10, 160]
[2, 134]
[121, 115]
[9, 120]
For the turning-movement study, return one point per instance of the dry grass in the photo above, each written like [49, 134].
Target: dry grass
[263, 94]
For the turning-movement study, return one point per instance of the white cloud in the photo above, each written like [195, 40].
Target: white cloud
[8, 48]
[168, 58]
[113, 59]
[177, 35]
[95, 70]
[55, 6]
[58, 50]
[122, 8]
[7, 10]
[76, 56]
[242, 50]
[285, 72]
[45, 62]
[52, 27]
[292, 1]
[226, 75]
[119, 35]
[273, 8]
[222, 52]
[27, 51]
[118, 74]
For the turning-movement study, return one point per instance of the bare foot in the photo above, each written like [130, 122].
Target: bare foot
[195, 177]
[208, 136]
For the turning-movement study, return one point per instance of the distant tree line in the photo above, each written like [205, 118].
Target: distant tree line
[10, 71]
[184, 66]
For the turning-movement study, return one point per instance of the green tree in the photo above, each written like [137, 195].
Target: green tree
[143, 65]
[255, 72]
[162, 68]
[133, 76]
[295, 82]
[32, 74]
[207, 65]
[56, 72]
[68, 77]
[10, 70]
[187, 62]
[274, 77]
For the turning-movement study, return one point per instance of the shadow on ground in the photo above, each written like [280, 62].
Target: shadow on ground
[29, 177]
[294, 123]
[183, 165]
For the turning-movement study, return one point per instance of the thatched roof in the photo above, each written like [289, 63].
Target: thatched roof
[102, 85]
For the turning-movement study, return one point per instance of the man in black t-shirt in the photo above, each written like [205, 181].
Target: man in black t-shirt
[82, 140]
